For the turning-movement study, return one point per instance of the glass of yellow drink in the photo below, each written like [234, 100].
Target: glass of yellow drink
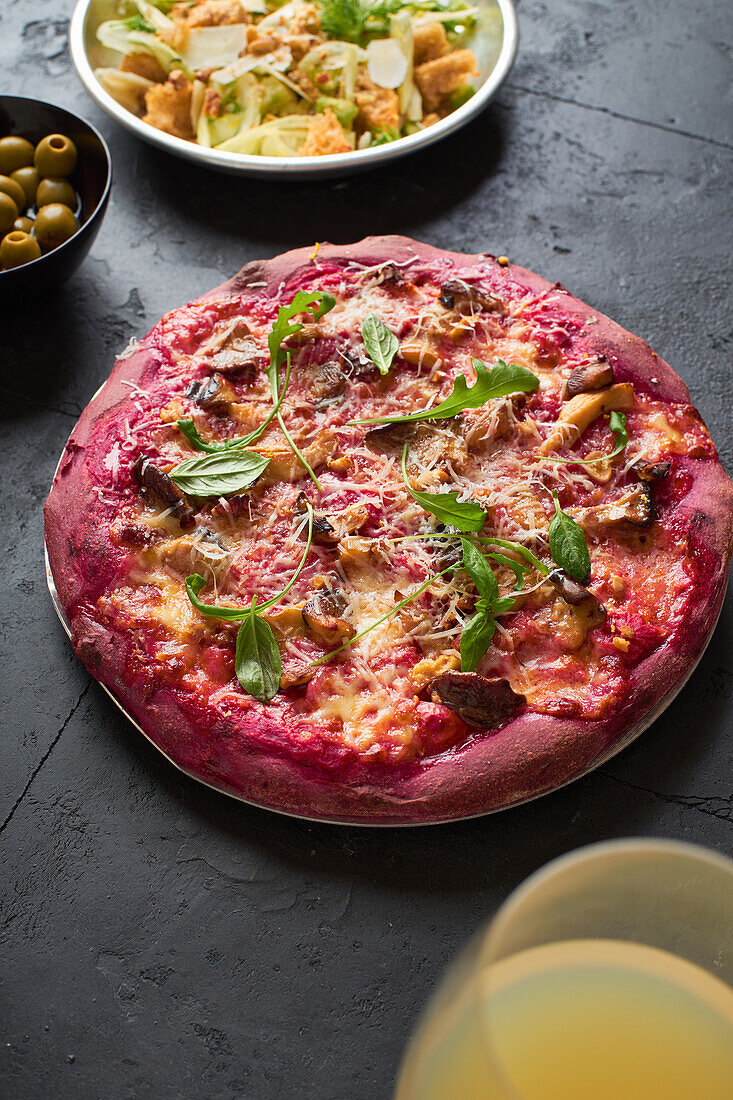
[607, 975]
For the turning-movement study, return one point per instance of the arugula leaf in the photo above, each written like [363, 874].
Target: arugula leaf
[476, 638]
[517, 568]
[257, 660]
[465, 515]
[381, 345]
[219, 474]
[480, 573]
[303, 302]
[617, 424]
[502, 380]
[568, 546]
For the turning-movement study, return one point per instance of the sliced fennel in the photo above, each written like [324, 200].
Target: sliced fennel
[116, 34]
[154, 16]
[282, 137]
[213, 47]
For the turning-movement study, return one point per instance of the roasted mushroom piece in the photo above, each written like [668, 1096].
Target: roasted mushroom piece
[329, 381]
[391, 275]
[322, 615]
[464, 298]
[635, 508]
[207, 392]
[587, 605]
[157, 486]
[651, 471]
[323, 532]
[588, 377]
[477, 700]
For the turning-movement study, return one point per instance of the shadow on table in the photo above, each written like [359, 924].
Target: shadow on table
[290, 213]
[620, 799]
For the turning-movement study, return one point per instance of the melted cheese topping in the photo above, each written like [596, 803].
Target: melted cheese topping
[368, 699]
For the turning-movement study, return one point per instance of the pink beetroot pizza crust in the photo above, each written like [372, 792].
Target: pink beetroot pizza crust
[248, 757]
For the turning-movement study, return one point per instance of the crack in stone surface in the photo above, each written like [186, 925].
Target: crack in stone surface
[39, 404]
[615, 114]
[45, 757]
[713, 806]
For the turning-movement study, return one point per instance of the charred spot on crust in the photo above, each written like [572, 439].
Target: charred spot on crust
[651, 471]
[460, 296]
[157, 486]
[588, 377]
[477, 700]
[323, 616]
[323, 532]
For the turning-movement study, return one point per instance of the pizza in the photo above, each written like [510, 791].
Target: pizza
[387, 534]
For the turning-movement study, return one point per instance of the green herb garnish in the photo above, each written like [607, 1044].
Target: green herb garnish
[617, 424]
[384, 137]
[219, 475]
[568, 546]
[380, 344]
[478, 632]
[465, 515]
[502, 380]
[257, 660]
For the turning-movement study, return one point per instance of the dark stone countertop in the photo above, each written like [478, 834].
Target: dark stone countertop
[159, 940]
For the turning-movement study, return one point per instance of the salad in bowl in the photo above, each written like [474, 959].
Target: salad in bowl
[304, 78]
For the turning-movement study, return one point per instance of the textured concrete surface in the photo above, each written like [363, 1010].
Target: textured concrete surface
[158, 940]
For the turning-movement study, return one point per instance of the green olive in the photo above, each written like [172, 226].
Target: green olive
[18, 248]
[25, 225]
[12, 187]
[15, 152]
[8, 212]
[28, 179]
[55, 156]
[55, 189]
[54, 224]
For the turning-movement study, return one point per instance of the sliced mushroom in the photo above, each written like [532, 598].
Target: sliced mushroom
[588, 377]
[157, 486]
[391, 275]
[355, 553]
[195, 551]
[419, 353]
[635, 508]
[285, 464]
[460, 296]
[296, 674]
[323, 533]
[586, 604]
[432, 447]
[285, 621]
[389, 438]
[475, 699]
[651, 471]
[206, 393]
[580, 411]
[322, 615]
[329, 381]
[239, 359]
[238, 505]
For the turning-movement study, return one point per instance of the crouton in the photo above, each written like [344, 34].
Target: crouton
[325, 135]
[429, 41]
[437, 79]
[145, 65]
[210, 13]
[168, 106]
[379, 108]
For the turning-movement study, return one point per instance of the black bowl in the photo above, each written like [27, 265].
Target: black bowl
[33, 119]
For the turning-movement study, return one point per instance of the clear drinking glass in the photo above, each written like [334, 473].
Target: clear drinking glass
[607, 975]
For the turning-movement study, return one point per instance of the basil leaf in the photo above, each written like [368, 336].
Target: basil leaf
[257, 659]
[465, 515]
[480, 573]
[617, 424]
[475, 640]
[503, 379]
[568, 546]
[194, 583]
[504, 604]
[219, 474]
[381, 345]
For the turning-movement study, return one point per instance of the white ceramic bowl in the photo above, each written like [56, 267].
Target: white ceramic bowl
[494, 43]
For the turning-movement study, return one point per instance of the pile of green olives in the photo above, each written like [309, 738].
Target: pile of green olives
[38, 204]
